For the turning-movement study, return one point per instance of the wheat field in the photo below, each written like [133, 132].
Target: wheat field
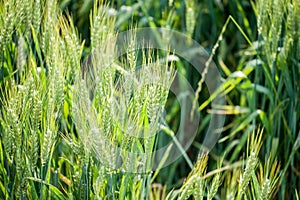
[80, 120]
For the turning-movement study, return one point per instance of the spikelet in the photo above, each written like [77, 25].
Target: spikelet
[49, 21]
[190, 15]
[265, 190]
[100, 31]
[8, 24]
[276, 27]
[36, 111]
[37, 16]
[48, 141]
[199, 189]
[19, 170]
[263, 10]
[11, 122]
[21, 59]
[216, 182]
[251, 164]
[131, 54]
[35, 121]
[290, 27]
[193, 187]
[15, 130]
[27, 5]
[155, 79]
[254, 145]
[194, 184]
[96, 18]
[59, 86]
[6, 139]
[296, 27]
[72, 45]
[269, 176]
[51, 53]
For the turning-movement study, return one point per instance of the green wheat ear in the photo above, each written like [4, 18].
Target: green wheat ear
[195, 184]
[72, 48]
[269, 175]
[37, 15]
[190, 15]
[253, 148]
[216, 182]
